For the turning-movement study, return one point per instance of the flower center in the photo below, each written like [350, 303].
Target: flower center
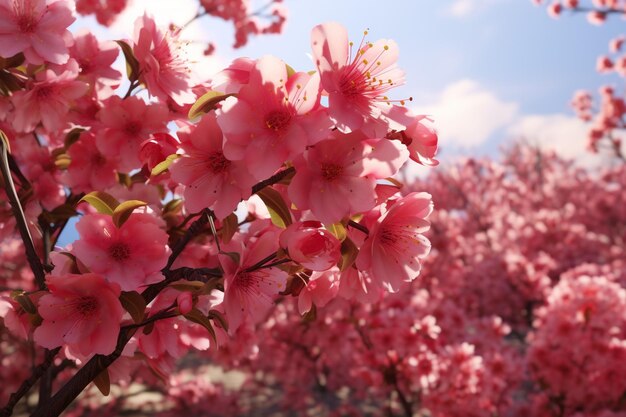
[98, 160]
[217, 162]
[331, 172]
[44, 91]
[133, 128]
[277, 120]
[352, 84]
[388, 237]
[26, 23]
[119, 251]
[86, 306]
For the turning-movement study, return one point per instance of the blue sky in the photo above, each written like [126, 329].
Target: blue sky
[486, 70]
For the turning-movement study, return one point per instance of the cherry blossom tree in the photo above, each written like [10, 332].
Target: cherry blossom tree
[201, 210]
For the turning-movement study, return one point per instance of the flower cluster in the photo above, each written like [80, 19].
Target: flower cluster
[197, 208]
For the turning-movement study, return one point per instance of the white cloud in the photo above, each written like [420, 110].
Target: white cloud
[564, 134]
[463, 8]
[467, 114]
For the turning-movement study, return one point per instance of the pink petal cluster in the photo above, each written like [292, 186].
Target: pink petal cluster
[36, 28]
[249, 292]
[358, 86]
[162, 68]
[81, 312]
[210, 178]
[131, 256]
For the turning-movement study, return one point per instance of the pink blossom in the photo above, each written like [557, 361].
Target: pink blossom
[249, 293]
[235, 76]
[311, 246]
[337, 177]
[161, 67]
[38, 28]
[555, 9]
[47, 100]
[395, 243]
[422, 141]
[82, 312]
[89, 170]
[321, 288]
[173, 336]
[105, 10]
[131, 256]
[95, 59]
[155, 150]
[357, 87]
[210, 179]
[125, 124]
[273, 115]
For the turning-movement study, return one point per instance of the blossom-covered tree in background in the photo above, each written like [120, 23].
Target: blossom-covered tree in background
[201, 207]
[606, 113]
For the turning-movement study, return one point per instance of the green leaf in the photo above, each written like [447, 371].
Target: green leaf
[73, 136]
[104, 203]
[24, 301]
[135, 304]
[62, 212]
[103, 382]
[173, 206]
[216, 315]
[349, 251]
[196, 316]
[338, 230]
[123, 211]
[290, 70]
[132, 65]
[230, 225]
[62, 160]
[161, 167]
[279, 212]
[206, 103]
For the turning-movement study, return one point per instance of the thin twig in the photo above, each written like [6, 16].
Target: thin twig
[18, 212]
[28, 383]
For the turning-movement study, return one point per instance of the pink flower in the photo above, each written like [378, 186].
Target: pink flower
[89, 170]
[82, 312]
[311, 246]
[210, 178]
[395, 243]
[321, 288]
[174, 335]
[131, 256]
[337, 177]
[95, 59]
[236, 75]
[273, 115]
[249, 293]
[125, 125]
[161, 67]
[47, 100]
[38, 28]
[357, 87]
[105, 10]
[422, 141]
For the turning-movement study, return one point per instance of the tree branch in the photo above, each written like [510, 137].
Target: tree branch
[28, 383]
[18, 212]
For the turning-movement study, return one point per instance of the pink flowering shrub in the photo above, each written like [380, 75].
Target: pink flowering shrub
[200, 210]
